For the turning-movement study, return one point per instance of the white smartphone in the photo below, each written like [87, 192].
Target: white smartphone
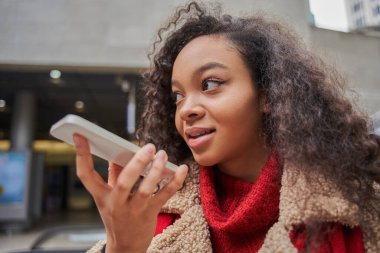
[103, 143]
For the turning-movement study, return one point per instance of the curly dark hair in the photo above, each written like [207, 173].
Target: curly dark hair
[311, 123]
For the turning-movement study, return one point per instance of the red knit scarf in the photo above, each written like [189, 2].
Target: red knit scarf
[240, 213]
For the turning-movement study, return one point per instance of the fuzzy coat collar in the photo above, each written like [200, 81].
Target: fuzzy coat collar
[301, 201]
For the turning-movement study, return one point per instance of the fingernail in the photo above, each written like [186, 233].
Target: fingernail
[161, 155]
[149, 148]
[185, 167]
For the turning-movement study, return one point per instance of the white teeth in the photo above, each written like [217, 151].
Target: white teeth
[201, 133]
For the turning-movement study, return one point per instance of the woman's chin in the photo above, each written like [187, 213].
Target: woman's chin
[204, 162]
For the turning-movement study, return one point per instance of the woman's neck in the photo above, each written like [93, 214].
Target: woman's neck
[248, 165]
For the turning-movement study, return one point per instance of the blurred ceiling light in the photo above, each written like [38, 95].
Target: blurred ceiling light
[125, 86]
[3, 105]
[79, 106]
[55, 74]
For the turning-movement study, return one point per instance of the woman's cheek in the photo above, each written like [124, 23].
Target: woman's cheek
[178, 126]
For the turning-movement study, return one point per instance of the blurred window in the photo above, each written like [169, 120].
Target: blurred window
[360, 22]
[376, 10]
[357, 7]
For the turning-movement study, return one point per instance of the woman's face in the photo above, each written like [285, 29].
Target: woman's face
[218, 109]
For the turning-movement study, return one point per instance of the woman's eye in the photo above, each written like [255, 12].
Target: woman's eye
[210, 84]
[177, 96]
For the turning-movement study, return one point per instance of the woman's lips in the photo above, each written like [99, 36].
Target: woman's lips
[198, 136]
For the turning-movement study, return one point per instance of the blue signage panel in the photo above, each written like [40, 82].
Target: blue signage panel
[13, 173]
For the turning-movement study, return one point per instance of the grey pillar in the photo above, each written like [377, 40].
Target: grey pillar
[23, 121]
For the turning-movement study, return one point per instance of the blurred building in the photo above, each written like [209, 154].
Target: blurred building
[363, 14]
[376, 122]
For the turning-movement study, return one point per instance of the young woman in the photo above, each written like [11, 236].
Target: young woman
[277, 159]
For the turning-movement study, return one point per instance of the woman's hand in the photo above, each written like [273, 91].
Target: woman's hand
[129, 219]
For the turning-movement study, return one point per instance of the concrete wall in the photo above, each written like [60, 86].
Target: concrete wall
[358, 57]
[102, 33]
[117, 34]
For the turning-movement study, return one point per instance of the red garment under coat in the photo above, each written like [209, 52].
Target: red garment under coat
[240, 213]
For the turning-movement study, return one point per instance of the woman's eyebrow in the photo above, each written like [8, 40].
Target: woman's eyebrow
[203, 68]
[208, 66]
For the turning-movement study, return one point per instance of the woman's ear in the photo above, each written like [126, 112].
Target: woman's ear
[264, 103]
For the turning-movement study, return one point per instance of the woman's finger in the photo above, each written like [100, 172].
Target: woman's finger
[172, 187]
[93, 182]
[132, 172]
[149, 184]
[113, 173]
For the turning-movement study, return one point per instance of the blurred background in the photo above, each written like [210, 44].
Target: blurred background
[86, 57]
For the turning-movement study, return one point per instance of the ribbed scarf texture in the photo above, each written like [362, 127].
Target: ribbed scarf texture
[240, 213]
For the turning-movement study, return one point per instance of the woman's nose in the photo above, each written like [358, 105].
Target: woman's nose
[191, 109]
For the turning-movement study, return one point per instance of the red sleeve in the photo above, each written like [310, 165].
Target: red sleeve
[164, 220]
[342, 239]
